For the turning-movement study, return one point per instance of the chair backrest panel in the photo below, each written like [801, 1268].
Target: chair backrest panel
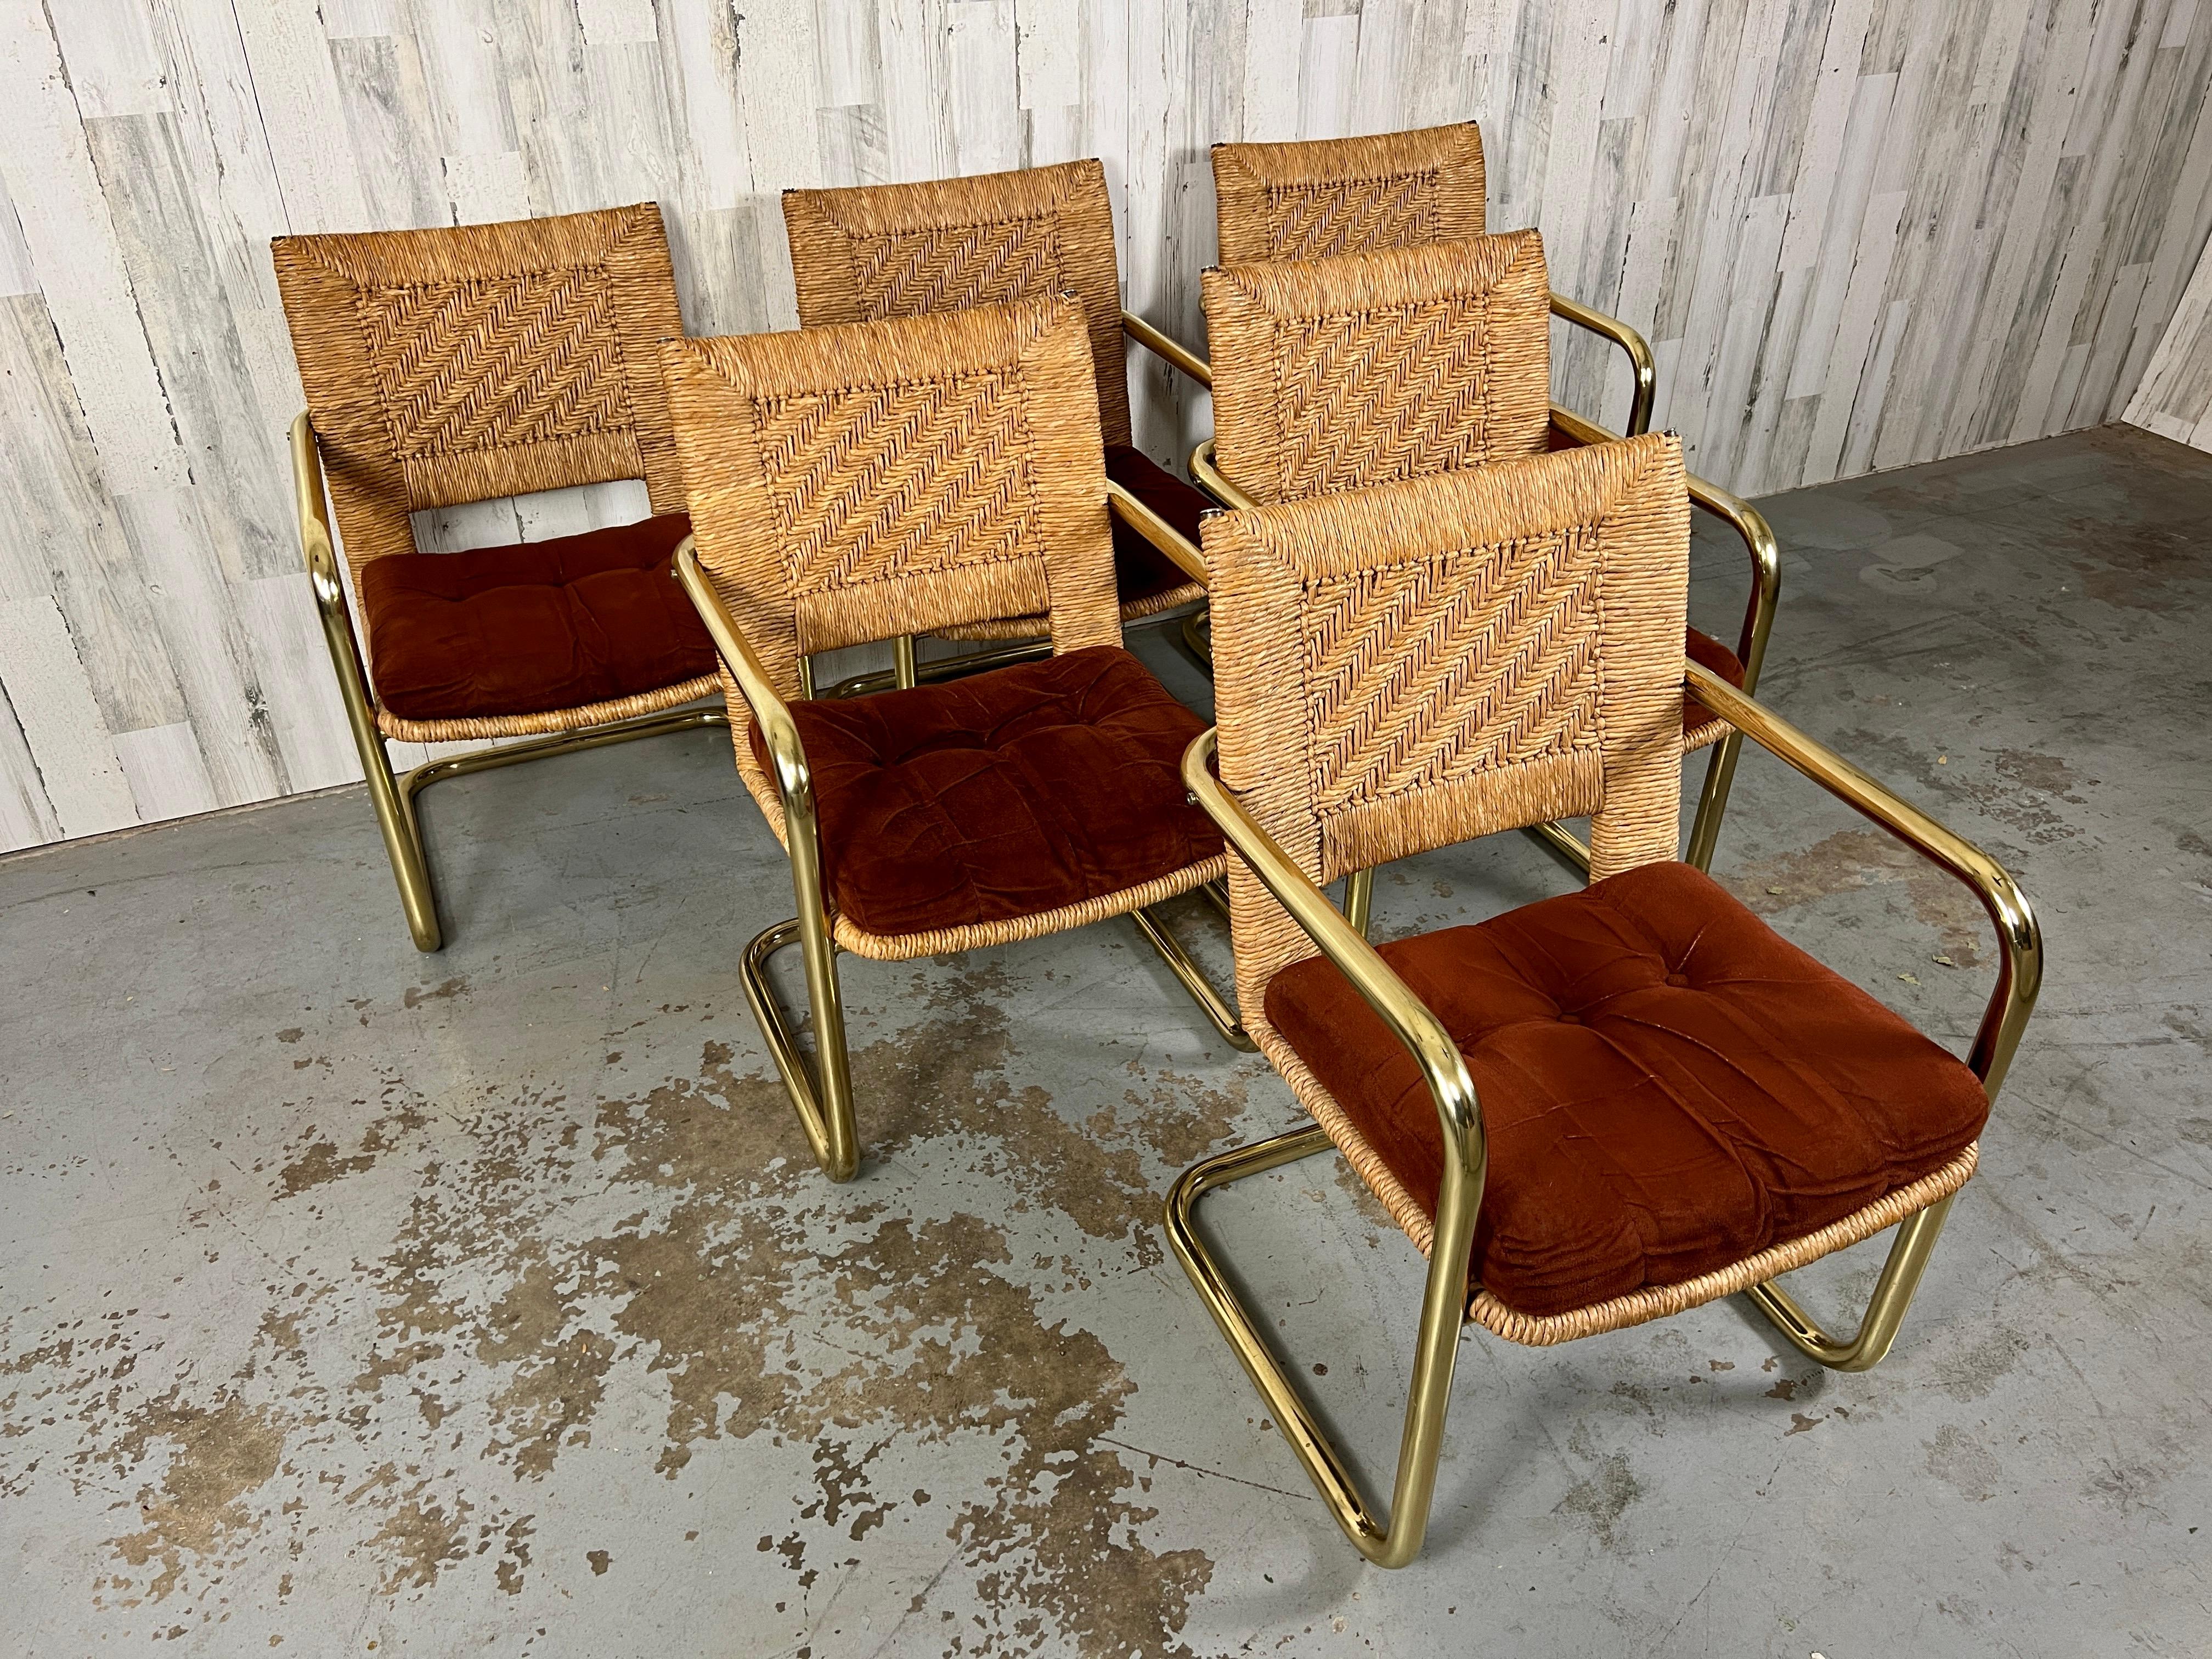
[880, 250]
[1403, 668]
[1324, 197]
[1372, 367]
[460, 364]
[853, 482]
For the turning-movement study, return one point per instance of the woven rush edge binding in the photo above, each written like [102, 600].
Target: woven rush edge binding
[603, 713]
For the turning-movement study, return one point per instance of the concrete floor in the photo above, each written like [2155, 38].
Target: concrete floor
[355, 1300]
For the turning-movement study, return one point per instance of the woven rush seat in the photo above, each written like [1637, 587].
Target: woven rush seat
[1668, 1085]
[1011, 793]
[536, 627]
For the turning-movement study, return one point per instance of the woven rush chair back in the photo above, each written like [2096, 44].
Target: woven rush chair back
[459, 365]
[1325, 196]
[881, 250]
[1370, 368]
[1401, 669]
[853, 483]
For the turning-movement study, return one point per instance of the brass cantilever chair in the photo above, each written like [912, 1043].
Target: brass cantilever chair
[461, 364]
[1596, 1109]
[880, 250]
[1325, 198]
[851, 483]
[1370, 367]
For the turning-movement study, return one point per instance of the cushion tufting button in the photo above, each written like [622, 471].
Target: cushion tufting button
[1570, 1019]
[1678, 978]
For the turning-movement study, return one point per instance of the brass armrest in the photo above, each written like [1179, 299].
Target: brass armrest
[1408, 1017]
[315, 543]
[2019, 973]
[1167, 348]
[1211, 479]
[1157, 530]
[794, 781]
[1639, 355]
[1750, 526]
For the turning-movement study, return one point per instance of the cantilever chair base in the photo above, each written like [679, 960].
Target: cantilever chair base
[1302, 1426]
[826, 1112]
[402, 834]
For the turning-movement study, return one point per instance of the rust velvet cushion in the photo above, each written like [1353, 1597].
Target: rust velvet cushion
[1668, 1085]
[1141, 570]
[533, 628]
[1008, 794]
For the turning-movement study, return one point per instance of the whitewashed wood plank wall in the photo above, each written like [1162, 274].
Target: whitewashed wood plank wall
[1859, 232]
[2175, 396]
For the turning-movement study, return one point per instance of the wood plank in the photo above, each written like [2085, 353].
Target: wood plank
[44, 682]
[71, 234]
[167, 777]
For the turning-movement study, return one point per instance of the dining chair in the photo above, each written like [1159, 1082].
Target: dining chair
[462, 364]
[853, 482]
[1603, 1107]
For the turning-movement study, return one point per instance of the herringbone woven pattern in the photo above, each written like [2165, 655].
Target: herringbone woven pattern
[946, 268]
[1317, 200]
[1373, 396]
[474, 365]
[1374, 368]
[853, 482]
[461, 364]
[1402, 668]
[881, 250]
[874, 482]
[1357, 215]
[1435, 669]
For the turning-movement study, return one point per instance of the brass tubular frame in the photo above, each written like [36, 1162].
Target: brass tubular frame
[1168, 349]
[1641, 368]
[935, 671]
[1395, 1541]
[1443, 1306]
[2020, 982]
[392, 795]
[826, 1114]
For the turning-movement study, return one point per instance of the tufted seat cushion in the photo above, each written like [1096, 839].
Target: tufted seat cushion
[1008, 794]
[527, 629]
[1668, 1085]
[1141, 570]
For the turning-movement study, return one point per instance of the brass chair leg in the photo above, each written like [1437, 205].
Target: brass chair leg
[1193, 978]
[1359, 899]
[1563, 844]
[827, 1116]
[394, 801]
[1193, 636]
[1893, 1294]
[1712, 802]
[1395, 1542]
[903, 670]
